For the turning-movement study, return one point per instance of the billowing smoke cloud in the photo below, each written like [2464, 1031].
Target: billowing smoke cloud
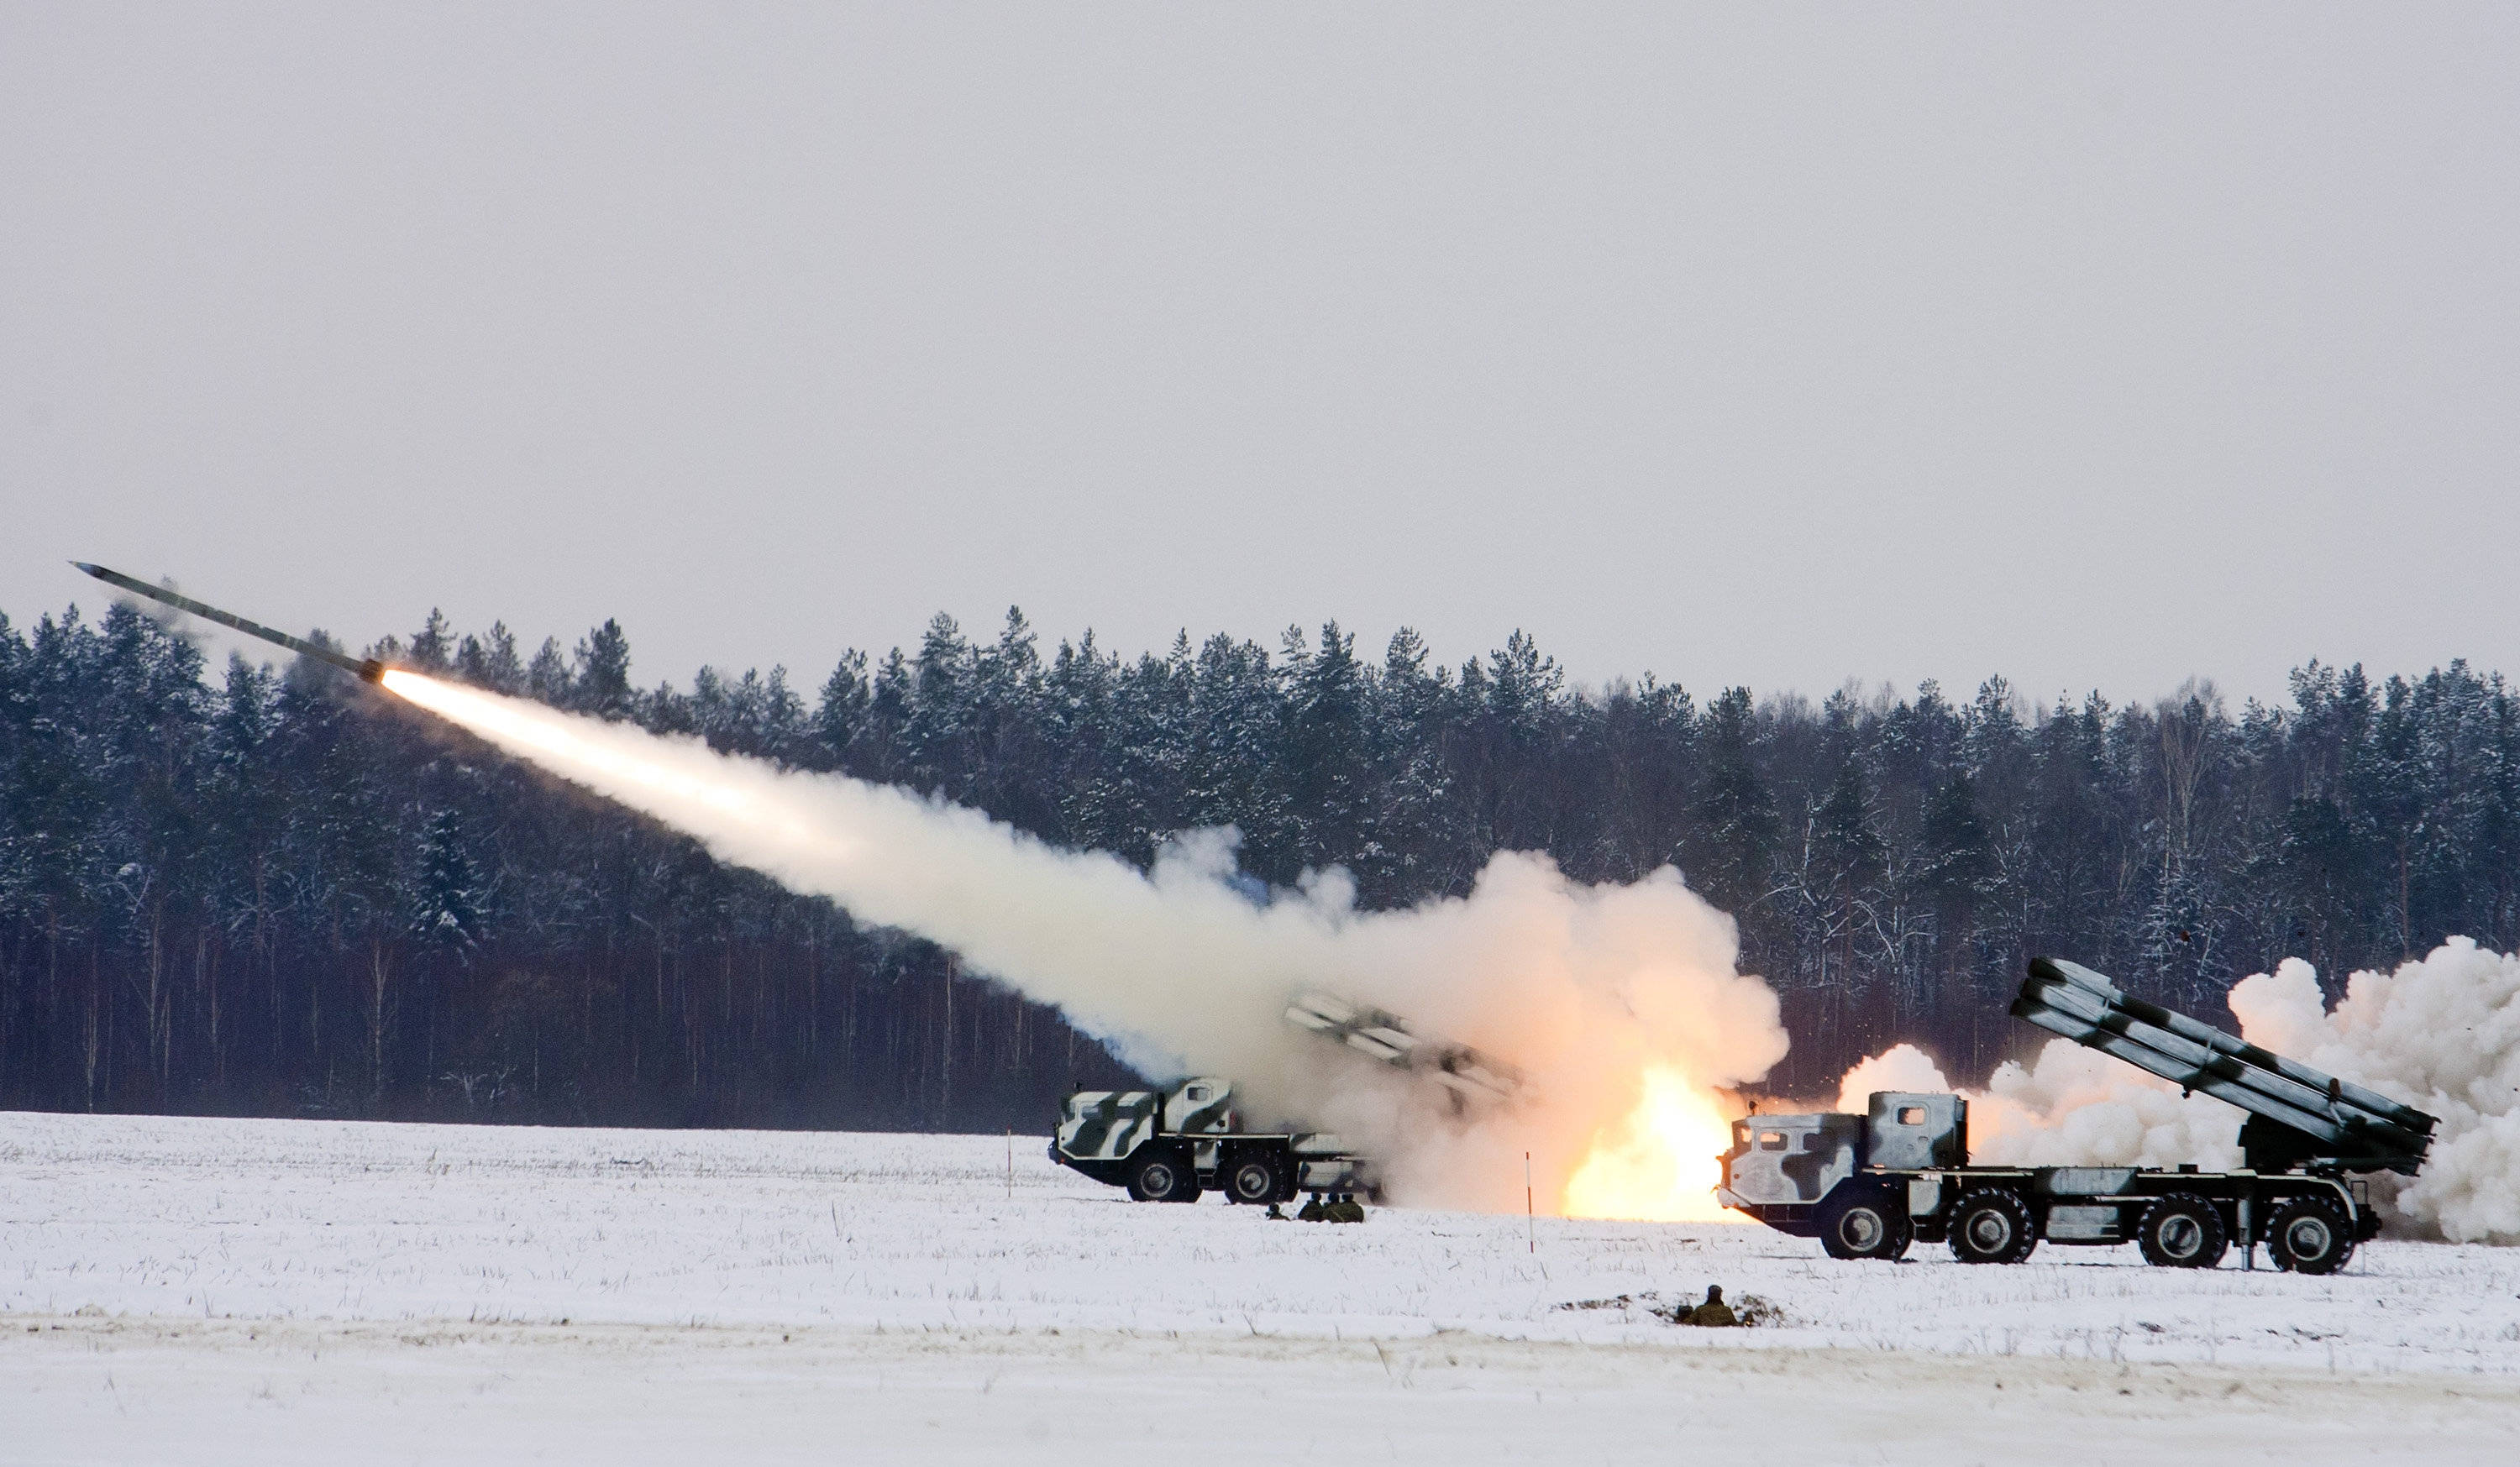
[1901, 1067]
[1586, 988]
[2441, 1033]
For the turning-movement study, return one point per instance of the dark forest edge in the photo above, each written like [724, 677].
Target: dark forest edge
[282, 893]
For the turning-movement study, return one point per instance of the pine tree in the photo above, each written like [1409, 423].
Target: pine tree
[1006, 720]
[547, 677]
[1324, 751]
[433, 646]
[600, 680]
[938, 735]
[1424, 843]
[1229, 775]
[1849, 850]
[1957, 860]
[448, 896]
[1737, 815]
[841, 713]
[491, 660]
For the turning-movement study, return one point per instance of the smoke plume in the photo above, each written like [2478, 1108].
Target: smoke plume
[1589, 989]
[2441, 1033]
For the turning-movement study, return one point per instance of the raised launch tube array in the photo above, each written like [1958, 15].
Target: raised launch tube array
[2319, 1118]
[1468, 1076]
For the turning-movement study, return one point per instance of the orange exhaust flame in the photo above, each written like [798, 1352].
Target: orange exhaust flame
[1658, 1165]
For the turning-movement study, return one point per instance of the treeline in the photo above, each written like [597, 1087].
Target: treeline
[282, 893]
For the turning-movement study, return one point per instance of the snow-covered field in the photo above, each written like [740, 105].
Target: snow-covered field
[275, 1290]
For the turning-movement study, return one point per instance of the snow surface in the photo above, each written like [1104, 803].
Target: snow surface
[291, 1290]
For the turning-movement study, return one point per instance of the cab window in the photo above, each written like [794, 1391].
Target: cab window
[1771, 1140]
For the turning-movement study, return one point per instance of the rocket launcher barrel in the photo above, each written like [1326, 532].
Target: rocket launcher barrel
[1464, 1072]
[367, 668]
[2329, 1119]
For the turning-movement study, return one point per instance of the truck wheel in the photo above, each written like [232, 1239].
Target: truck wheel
[2183, 1230]
[1164, 1177]
[2310, 1235]
[1865, 1222]
[1992, 1225]
[1254, 1180]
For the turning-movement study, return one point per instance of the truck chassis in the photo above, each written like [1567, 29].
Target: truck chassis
[1173, 1145]
[2184, 1218]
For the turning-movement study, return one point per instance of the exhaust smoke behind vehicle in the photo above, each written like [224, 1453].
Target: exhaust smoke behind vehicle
[1619, 1004]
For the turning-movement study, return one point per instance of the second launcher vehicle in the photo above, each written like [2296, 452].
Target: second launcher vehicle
[1869, 1185]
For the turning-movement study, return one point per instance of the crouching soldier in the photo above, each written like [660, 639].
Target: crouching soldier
[1713, 1312]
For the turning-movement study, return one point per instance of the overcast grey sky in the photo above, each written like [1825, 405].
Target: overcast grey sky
[2095, 345]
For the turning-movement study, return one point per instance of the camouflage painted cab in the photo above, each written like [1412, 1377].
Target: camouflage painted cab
[1106, 1124]
[1171, 1145]
[1781, 1166]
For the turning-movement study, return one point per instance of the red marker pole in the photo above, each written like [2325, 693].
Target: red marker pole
[1530, 1230]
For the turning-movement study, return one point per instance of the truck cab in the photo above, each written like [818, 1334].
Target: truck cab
[1782, 1168]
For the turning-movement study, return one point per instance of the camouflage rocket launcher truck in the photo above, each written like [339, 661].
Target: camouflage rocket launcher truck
[1171, 1145]
[1869, 1185]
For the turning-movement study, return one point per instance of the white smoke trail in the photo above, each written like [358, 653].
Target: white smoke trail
[1586, 988]
[2441, 1032]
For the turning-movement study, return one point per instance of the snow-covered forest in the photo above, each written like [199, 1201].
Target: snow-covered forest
[249, 891]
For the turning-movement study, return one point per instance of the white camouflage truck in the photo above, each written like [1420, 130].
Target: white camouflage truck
[1171, 1145]
[1869, 1185]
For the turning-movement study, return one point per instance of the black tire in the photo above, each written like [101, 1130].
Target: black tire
[1163, 1176]
[1254, 1179]
[2183, 1230]
[1992, 1225]
[1864, 1222]
[2310, 1235]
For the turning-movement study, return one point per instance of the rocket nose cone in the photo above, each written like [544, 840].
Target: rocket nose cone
[83, 566]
